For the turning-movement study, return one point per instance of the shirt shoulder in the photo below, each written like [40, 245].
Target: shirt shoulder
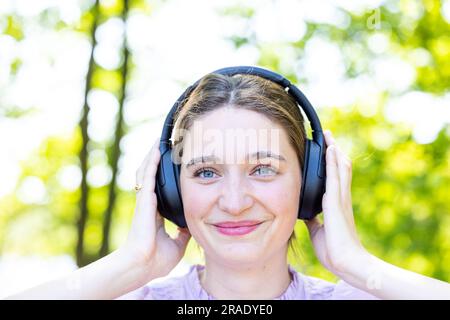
[174, 288]
[319, 289]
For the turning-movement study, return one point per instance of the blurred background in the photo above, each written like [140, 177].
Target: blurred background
[85, 86]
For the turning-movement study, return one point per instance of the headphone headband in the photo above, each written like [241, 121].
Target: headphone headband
[304, 103]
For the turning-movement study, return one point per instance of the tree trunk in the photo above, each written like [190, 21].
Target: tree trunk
[118, 135]
[83, 155]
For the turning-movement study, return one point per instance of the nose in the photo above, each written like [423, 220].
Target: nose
[235, 197]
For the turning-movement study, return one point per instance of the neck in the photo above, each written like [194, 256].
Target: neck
[266, 280]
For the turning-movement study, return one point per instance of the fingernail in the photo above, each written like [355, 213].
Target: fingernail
[332, 149]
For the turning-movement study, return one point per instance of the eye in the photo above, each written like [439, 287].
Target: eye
[265, 169]
[208, 173]
[261, 170]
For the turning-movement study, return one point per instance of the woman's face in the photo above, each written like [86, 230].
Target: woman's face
[236, 189]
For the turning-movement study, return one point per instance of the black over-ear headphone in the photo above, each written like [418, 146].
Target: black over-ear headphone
[167, 186]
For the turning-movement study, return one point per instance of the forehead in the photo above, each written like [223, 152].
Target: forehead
[233, 133]
[232, 117]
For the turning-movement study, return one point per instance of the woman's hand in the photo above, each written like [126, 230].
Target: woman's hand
[148, 243]
[148, 253]
[338, 248]
[335, 241]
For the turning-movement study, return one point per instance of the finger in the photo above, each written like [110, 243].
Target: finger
[345, 173]
[313, 226]
[333, 214]
[343, 162]
[332, 184]
[182, 238]
[146, 197]
[160, 222]
[336, 217]
[329, 139]
[141, 170]
[151, 169]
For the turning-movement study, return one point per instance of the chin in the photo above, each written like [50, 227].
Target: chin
[241, 252]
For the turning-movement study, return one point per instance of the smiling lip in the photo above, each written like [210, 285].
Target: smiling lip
[231, 228]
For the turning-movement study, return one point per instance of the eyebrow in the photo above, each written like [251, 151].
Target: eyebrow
[256, 155]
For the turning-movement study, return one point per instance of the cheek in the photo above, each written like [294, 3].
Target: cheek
[282, 201]
[281, 197]
[197, 200]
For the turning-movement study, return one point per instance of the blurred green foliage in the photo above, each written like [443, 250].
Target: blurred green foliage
[400, 190]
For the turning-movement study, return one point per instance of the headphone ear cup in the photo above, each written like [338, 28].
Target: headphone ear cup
[313, 181]
[181, 221]
[168, 191]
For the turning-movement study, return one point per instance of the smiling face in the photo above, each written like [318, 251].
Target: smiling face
[224, 196]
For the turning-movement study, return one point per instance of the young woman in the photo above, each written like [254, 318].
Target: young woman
[242, 213]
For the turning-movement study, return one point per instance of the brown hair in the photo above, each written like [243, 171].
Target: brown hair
[249, 92]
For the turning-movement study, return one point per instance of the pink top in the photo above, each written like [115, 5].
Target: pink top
[302, 287]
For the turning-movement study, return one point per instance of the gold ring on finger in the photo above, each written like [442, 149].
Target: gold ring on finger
[137, 187]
